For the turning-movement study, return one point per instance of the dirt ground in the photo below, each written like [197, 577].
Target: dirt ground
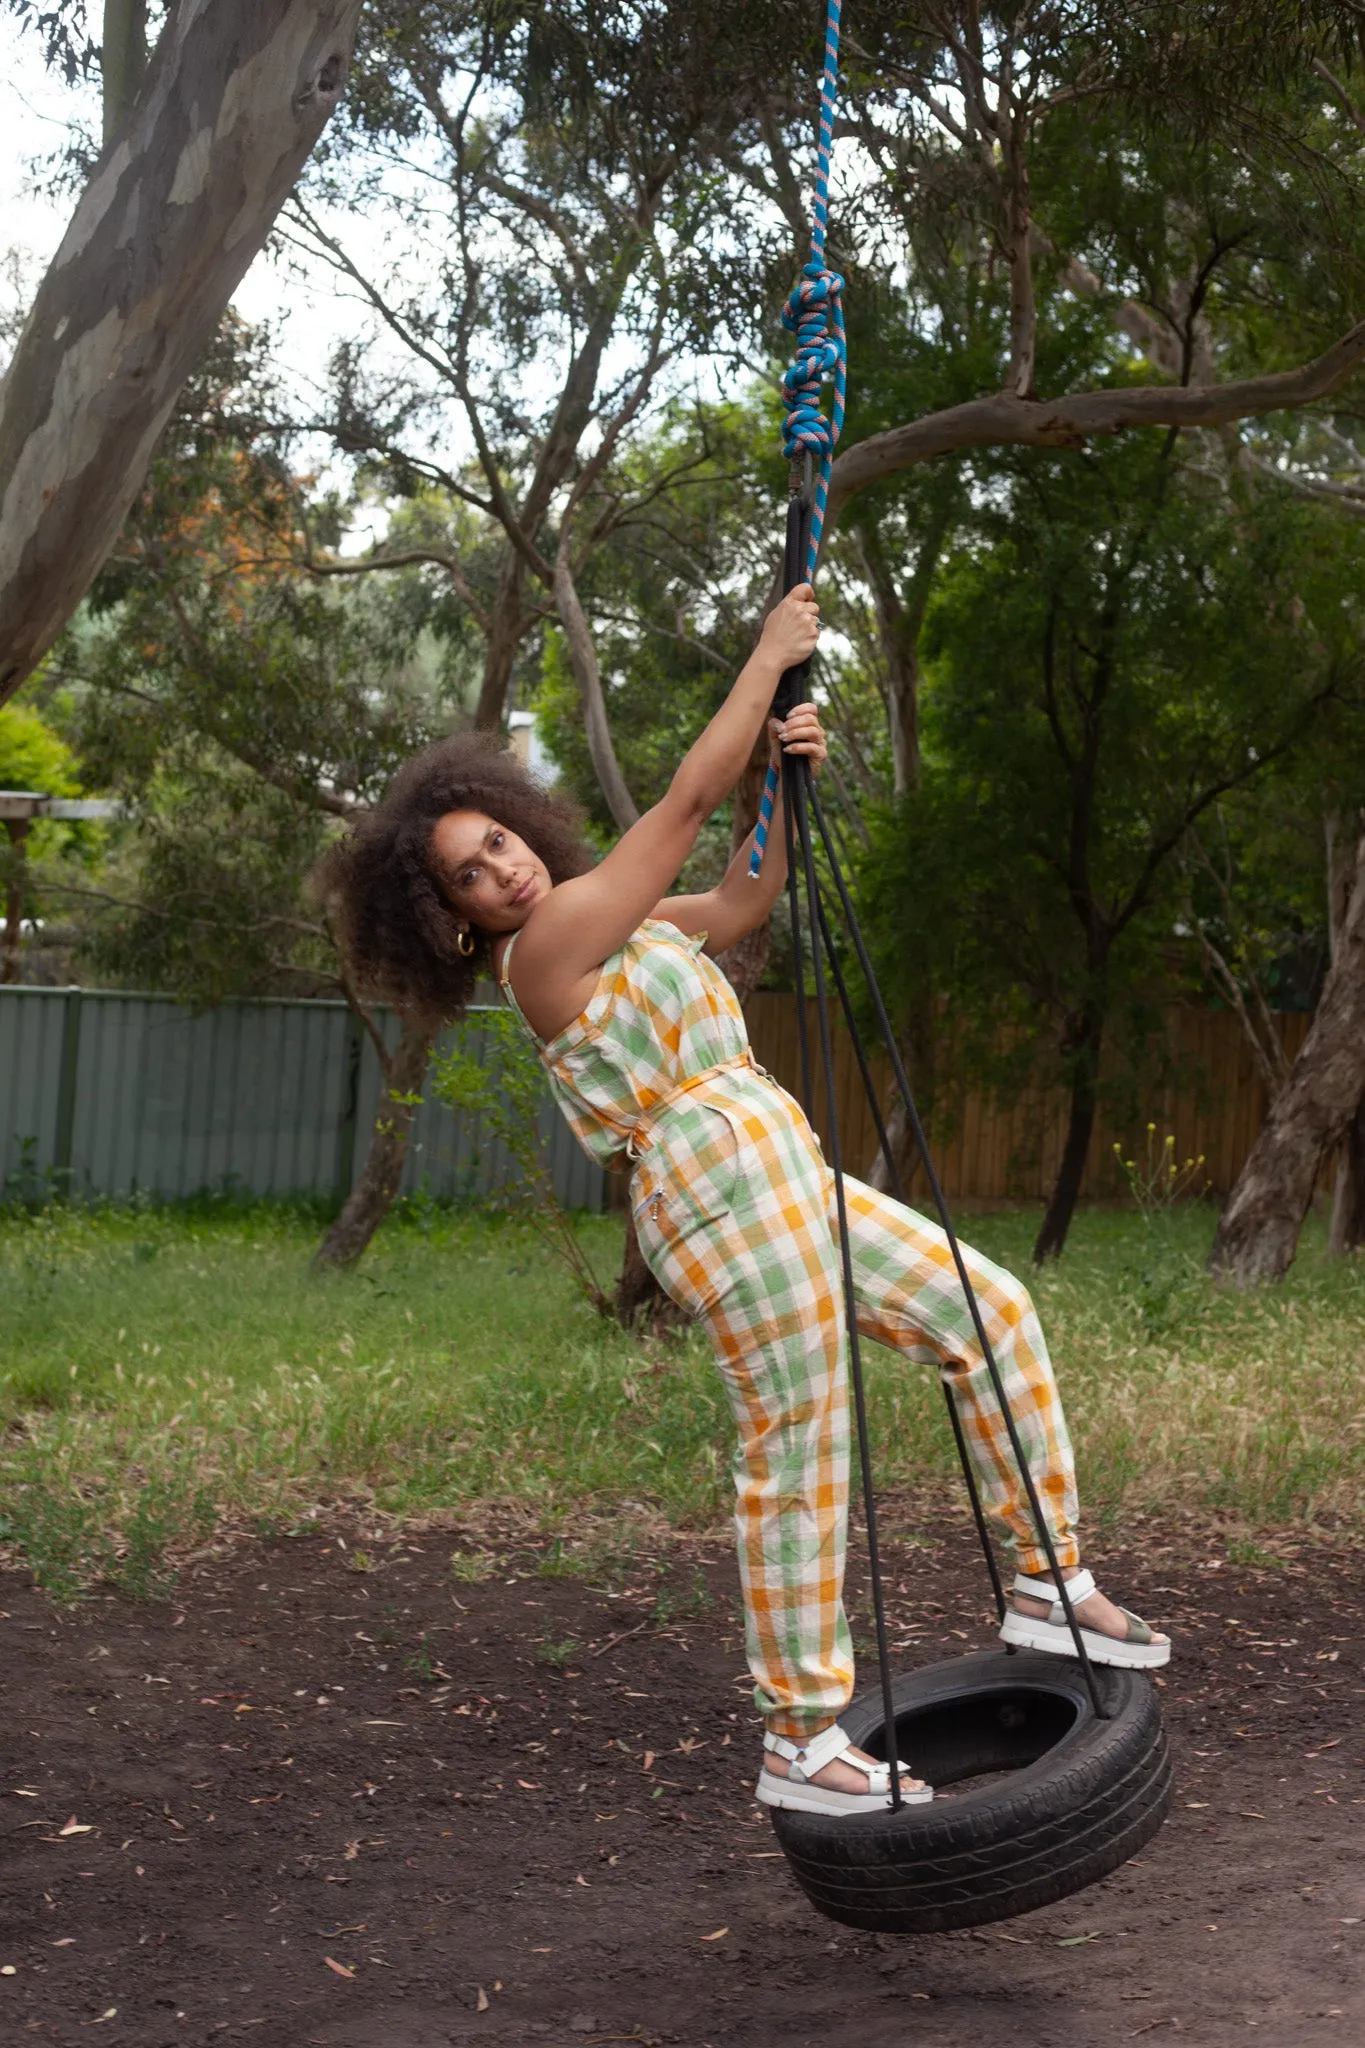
[391, 1808]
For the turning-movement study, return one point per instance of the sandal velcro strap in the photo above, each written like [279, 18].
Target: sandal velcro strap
[806, 1758]
[1139, 1648]
[1077, 1589]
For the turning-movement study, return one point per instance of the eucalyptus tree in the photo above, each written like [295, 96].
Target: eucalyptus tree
[1108, 656]
[1319, 1107]
[1267, 899]
[203, 141]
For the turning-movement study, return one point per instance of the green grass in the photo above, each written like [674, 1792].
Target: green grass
[163, 1369]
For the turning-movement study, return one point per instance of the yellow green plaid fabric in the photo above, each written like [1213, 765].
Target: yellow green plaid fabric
[661, 1014]
[735, 1212]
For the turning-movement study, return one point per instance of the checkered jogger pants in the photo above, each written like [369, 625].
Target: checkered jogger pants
[735, 1211]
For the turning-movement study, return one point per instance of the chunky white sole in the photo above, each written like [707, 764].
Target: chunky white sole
[802, 1798]
[1027, 1632]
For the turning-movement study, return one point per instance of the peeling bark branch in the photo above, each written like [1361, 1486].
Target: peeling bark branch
[1068, 422]
[179, 205]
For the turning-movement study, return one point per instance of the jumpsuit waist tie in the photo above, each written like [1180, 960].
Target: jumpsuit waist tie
[644, 1134]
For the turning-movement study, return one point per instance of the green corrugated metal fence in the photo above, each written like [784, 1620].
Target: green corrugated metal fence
[113, 1093]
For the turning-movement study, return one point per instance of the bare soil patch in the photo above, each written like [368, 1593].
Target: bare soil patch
[387, 1808]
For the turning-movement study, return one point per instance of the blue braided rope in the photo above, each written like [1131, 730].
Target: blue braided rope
[814, 314]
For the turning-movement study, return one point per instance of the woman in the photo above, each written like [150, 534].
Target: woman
[467, 861]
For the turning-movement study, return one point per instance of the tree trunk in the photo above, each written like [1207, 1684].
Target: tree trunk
[588, 676]
[369, 1200]
[179, 205]
[1258, 1232]
[1085, 1045]
[505, 632]
[1347, 1229]
[1347, 1233]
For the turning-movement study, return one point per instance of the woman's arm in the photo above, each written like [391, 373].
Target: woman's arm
[569, 935]
[740, 901]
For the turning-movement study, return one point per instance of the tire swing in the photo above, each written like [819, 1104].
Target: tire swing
[1073, 1764]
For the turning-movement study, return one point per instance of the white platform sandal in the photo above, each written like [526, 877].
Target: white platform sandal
[1137, 1651]
[829, 1746]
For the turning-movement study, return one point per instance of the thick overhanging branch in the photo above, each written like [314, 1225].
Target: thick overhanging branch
[1004, 420]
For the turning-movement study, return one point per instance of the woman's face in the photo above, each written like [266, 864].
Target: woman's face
[491, 877]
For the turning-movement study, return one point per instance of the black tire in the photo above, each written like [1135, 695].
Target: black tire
[1080, 1796]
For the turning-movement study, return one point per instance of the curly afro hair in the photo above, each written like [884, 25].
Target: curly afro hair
[381, 883]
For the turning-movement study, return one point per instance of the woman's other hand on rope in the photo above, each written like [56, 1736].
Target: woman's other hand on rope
[739, 901]
[800, 733]
[792, 628]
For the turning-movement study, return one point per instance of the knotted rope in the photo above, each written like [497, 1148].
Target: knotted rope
[814, 314]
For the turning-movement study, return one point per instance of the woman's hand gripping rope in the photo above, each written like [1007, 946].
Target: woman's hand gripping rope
[791, 629]
[800, 733]
[789, 636]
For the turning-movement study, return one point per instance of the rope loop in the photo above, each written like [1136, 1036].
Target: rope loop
[814, 314]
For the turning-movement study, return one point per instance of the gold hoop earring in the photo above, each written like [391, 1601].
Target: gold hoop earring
[461, 937]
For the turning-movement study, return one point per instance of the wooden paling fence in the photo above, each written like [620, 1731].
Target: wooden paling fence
[989, 1150]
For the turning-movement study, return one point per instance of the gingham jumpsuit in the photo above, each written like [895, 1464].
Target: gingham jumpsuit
[735, 1212]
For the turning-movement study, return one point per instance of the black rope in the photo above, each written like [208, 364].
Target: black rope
[788, 694]
[796, 828]
[795, 787]
[798, 962]
[940, 1202]
[893, 1175]
[799, 799]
